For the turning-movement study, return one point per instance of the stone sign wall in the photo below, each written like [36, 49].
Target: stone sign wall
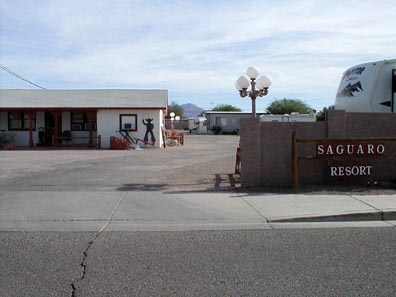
[266, 150]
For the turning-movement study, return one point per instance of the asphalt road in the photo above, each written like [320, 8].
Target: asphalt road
[113, 190]
[307, 262]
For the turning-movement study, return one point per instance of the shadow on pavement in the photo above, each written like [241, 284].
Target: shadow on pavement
[219, 182]
[142, 187]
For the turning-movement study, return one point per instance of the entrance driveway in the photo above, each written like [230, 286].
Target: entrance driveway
[95, 190]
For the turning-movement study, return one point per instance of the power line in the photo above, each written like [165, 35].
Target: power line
[20, 77]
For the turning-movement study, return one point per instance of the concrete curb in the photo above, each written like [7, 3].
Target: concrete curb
[389, 215]
[345, 217]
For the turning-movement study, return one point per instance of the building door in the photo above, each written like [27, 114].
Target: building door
[50, 126]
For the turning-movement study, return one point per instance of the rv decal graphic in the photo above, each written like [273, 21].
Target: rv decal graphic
[386, 103]
[352, 72]
[350, 89]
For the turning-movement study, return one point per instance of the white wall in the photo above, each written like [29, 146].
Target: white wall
[66, 121]
[108, 121]
[79, 137]
[228, 122]
[288, 118]
[161, 120]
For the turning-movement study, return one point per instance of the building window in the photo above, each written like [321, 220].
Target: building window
[19, 120]
[128, 122]
[221, 121]
[80, 122]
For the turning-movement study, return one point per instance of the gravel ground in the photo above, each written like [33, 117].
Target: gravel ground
[204, 163]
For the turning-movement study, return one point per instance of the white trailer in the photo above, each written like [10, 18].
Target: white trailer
[368, 87]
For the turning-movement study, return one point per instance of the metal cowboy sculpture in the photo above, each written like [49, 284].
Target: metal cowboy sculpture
[149, 129]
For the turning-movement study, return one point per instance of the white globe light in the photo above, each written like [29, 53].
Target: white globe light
[237, 86]
[253, 72]
[243, 82]
[172, 119]
[177, 118]
[172, 114]
[264, 82]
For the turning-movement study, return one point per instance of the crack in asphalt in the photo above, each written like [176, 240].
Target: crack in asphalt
[83, 262]
[84, 265]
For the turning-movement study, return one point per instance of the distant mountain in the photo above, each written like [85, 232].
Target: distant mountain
[191, 111]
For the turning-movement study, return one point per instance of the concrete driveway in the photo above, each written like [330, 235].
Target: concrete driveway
[89, 190]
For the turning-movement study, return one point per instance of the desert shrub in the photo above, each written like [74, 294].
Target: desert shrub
[216, 130]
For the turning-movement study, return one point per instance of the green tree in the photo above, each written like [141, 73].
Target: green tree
[321, 115]
[287, 106]
[176, 108]
[225, 107]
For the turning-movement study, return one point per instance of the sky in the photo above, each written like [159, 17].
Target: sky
[194, 49]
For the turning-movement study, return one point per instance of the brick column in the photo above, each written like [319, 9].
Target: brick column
[250, 144]
[336, 123]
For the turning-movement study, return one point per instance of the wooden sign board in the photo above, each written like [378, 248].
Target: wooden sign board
[348, 160]
[342, 170]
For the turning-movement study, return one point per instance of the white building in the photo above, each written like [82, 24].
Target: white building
[84, 114]
[230, 121]
[293, 117]
[202, 125]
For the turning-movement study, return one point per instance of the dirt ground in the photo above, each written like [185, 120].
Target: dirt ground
[204, 163]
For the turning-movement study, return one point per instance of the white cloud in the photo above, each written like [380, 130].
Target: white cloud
[195, 46]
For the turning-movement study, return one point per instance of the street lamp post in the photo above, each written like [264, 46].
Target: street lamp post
[173, 117]
[258, 86]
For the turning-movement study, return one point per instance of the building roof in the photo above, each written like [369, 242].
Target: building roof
[100, 99]
[231, 112]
